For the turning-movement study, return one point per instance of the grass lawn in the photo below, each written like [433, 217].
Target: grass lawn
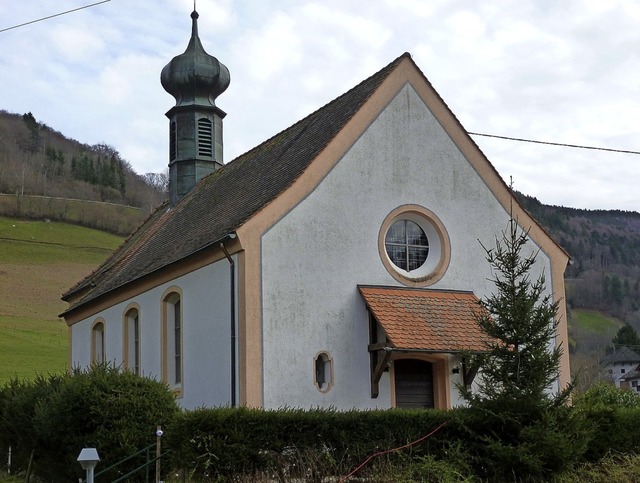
[32, 346]
[595, 322]
[38, 262]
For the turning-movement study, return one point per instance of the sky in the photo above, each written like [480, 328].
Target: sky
[563, 71]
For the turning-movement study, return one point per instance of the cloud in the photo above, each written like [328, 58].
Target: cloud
[559, 71]
[266, 52]
[78, 44]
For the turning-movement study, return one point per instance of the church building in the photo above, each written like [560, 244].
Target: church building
[339, 263]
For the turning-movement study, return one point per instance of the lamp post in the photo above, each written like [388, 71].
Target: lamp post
[88, 459]
[159, 434]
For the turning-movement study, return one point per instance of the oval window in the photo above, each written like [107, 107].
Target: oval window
[323, 369]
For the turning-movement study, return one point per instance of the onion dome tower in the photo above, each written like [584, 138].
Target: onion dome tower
[195, 79]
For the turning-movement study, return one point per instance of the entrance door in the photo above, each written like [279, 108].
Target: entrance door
[414, 383]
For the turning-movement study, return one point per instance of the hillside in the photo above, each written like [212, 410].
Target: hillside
[604, 246]
[38, 261]
[602, 281]
[36, 160]
[47, 176]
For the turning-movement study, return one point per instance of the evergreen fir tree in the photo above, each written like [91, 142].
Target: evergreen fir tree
[627, 337]
[519, 428]
[522, 362]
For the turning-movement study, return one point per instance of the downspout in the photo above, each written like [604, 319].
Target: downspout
[232, 298]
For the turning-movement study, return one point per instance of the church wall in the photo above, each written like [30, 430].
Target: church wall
[206, 334]
[316, 255]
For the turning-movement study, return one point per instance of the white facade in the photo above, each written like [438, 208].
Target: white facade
[206, 335]
[618, 370]
[304, 332]
[314, 258]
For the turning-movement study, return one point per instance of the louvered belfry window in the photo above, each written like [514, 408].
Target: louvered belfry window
[205, 137]
[172, 142]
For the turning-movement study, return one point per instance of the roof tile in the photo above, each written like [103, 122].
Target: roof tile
[421, 319]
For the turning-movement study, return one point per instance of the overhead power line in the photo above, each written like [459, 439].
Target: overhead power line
[54, 15]
[578, 146]
[508, 138]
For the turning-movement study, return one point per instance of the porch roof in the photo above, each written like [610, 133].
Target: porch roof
[426, 320]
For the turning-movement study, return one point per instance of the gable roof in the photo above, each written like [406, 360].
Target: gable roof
[630, 376]
[621, 355]
[427, 320]
[224, 200]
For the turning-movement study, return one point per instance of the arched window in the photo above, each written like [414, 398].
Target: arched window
[97, 342]
[172, 360]
[132, 339]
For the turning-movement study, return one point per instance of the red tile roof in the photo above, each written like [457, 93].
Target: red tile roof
[419, 319]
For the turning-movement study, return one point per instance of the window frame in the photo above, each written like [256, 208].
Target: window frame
[173, 141]
[326, 384]
[205, 144]
[438, 256]
[172, 339]
[129, 341]
[406, 245]
[98, 335]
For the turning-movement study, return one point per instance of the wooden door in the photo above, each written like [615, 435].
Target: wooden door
[414, 383]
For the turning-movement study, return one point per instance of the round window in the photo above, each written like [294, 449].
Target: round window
[414, 246]
[407, 245]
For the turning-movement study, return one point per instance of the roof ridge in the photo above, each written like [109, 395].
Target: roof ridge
[225, 199]
[307, 117]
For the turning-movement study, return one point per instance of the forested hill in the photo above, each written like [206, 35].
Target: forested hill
[36, 160]
[605, 251]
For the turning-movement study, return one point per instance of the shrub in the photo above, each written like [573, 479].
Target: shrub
[18, 401]
[612, 468]
[606, 395]
[225, 442]
[103, 407]
[613, 414]
[502, 447]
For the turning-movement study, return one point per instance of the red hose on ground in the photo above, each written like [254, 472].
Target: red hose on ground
[380, 453]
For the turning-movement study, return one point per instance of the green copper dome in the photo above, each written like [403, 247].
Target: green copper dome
[195, 77]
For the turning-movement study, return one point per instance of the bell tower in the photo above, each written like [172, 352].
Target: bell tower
[195, 79]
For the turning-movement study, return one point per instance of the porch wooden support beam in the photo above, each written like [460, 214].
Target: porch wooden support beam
[468, 373]
[379, 369]
[378, 346]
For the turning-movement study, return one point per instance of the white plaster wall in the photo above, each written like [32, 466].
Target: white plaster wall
[618, 370]
[314, 258]
[205, 331]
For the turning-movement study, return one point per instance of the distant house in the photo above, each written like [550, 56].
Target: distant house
[336, 264]
[631, 380]
[620, 364]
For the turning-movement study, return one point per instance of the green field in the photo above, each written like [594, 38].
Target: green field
[595, 322]
[41, 260]
[38, 262]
